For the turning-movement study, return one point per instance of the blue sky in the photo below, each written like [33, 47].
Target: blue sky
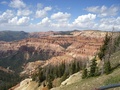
[59, 15]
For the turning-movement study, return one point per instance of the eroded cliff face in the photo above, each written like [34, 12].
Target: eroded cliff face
[51, 49]
[15, 54]
[27, 55]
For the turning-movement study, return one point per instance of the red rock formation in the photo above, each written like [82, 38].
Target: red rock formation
[57, 48]
[61, 45]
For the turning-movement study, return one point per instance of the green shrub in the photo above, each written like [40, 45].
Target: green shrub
[84, 73]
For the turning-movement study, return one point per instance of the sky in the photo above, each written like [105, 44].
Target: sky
[59, 15]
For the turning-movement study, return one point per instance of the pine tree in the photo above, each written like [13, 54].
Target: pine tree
[101, 54]
[107, 67]
[55, 71]
[97, 73]
[49, 84]
[73, 68]
[77, 67]
[40, 76]
[93, 67]
[61, 69]
[66, 74]
[34, 77]
[84, 73]
[49, 80]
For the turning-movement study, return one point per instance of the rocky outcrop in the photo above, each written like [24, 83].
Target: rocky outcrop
[31, 67]
[27, 84]
[90, 33]
[72, 79]
[41, 34]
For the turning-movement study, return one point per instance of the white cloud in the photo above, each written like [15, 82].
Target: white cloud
[24, 12]
[43, 13]
[103, 10]
[48, 8]
[40, 13]
[89, 22]
[84, 22]
[115, 21]
[85, 18]
[17, 4]
[60, 16]
[21, 17]
[45, 22]
[109, 23]
[13, 20]
[8, 14]
[21, 21]
[60, 20]
[81, 20]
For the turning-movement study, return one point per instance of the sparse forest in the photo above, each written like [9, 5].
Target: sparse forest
[9, 80]
[63, 71]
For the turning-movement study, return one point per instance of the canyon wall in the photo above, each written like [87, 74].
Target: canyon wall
[52, 49]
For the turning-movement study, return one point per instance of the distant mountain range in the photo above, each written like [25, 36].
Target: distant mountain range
[18, 35]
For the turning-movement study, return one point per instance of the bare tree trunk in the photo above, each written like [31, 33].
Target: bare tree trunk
[111, 45]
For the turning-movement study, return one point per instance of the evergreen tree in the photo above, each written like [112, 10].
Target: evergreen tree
[49, 84]
[97, 73]
[66, 74]
[77, 67]
[34, 77]
[107, 67]
[93, 67]
[107, 39]
[49, 80]
[117, 43]
[73, 68]
[41, 76]
[61, 69]
[84, 73]
[101, 54]
[55, 71]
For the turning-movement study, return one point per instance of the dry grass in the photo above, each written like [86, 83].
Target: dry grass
[90, 83]
[115, 59]
[95, 82]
